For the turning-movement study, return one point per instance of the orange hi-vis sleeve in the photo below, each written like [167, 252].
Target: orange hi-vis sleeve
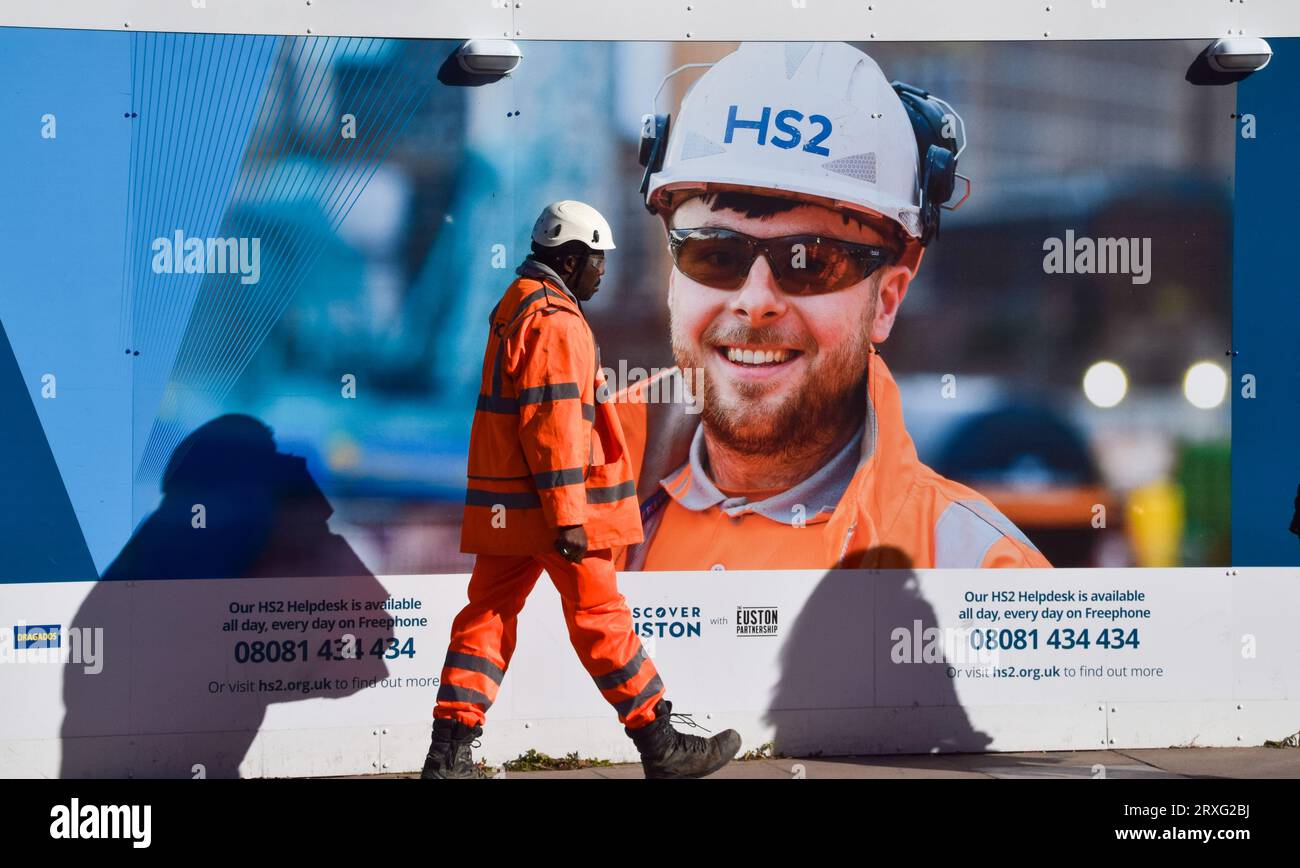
[546, 360]
[545, 451]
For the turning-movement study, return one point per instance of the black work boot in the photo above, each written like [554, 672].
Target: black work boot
[449, 753]
[667, 753]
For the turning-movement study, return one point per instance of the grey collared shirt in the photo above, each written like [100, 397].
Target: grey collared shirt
[818, 494]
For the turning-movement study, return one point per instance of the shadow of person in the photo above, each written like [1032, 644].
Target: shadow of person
[850, 680]
[190, 661]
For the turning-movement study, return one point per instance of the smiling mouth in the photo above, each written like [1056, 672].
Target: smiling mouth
[758, 357]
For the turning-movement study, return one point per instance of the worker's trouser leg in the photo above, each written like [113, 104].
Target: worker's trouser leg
[600, 628]
[483, 636]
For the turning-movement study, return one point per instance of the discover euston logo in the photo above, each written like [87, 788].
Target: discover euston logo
[671, 622]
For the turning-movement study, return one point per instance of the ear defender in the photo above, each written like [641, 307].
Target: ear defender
[930, 119]
[654, 145]
[938, 179]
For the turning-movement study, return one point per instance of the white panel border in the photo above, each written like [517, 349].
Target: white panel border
[684, 20]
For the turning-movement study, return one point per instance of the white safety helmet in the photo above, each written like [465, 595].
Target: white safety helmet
[569, 220]
[814, 119]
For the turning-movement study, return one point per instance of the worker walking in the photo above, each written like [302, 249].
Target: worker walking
[551, 488]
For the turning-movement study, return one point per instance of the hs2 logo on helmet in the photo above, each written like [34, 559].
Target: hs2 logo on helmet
[788, 135]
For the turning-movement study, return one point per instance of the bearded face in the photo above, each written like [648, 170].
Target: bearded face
[808, 398]
[780, 372]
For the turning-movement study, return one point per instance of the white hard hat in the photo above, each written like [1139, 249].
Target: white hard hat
[569, 220]
[815, 119]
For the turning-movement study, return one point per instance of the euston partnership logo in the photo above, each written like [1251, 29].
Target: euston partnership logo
[177, 254]
[756, 620]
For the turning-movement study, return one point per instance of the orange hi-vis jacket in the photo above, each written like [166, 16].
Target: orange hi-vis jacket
[544, 452]
[895, 513]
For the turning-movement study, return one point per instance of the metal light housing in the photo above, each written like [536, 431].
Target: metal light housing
[1239, 54]
[489, 56]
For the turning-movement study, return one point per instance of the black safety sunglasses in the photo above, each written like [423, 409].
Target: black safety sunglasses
[801, 264]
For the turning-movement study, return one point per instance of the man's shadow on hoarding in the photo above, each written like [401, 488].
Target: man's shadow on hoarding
[183, 673]
[851, 679]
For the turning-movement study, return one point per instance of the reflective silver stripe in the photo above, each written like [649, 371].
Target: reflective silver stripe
[624, 674]
[611, 493]
[525, 304]
[534, 395]
[474, 663]
[456, 693]
[529, 500]
[497, 404]
[556, 478]
[501, 338]
[510, 500]
[998, 520]
[965, 532]
[627, 706]
[549, 392]
[496, 367]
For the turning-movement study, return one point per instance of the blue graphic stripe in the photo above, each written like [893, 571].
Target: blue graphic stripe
[40, 537]
[243, 145]
[209, 200]
[190, 94]
[222, 337]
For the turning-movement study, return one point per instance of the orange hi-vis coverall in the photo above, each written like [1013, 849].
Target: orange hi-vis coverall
[546, 451]
[894, 511]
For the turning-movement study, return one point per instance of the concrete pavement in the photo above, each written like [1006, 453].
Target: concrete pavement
[1250, 762]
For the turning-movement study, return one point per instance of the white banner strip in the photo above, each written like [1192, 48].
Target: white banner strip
[704, 20]
[312, 676]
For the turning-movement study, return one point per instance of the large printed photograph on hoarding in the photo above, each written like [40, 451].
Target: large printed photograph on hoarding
[265, 268]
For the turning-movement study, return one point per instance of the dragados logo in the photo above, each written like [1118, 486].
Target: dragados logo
[37, 636]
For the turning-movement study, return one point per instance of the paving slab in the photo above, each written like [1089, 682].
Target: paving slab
[1224, 762]
[1252, 762]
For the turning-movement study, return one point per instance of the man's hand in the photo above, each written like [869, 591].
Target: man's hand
[572, 543]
